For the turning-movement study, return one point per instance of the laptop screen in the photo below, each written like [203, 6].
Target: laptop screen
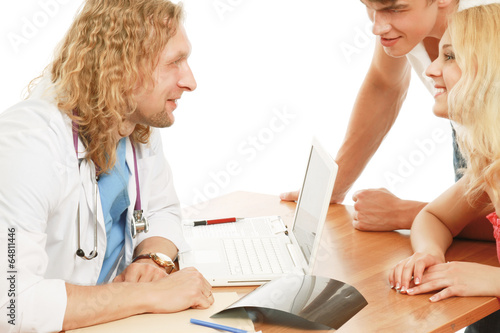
[310, 208]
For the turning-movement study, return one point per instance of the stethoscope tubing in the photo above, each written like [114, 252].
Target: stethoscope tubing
[139, 226]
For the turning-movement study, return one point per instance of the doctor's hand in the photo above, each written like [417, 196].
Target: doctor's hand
[380, 210]
[143, 270]
[181, 290]
[459, 279]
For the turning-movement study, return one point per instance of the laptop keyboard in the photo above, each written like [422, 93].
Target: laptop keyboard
[253, 256]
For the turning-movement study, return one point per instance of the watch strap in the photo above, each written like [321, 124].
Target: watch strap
[143, 256]
[167, 268]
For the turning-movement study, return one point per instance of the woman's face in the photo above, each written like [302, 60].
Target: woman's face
[445, 73]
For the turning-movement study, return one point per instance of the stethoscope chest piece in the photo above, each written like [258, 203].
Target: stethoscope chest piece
[139, 223]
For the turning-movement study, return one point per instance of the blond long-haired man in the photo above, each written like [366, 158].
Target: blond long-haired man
[84, 177]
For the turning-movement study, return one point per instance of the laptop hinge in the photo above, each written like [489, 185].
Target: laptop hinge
[293, 254]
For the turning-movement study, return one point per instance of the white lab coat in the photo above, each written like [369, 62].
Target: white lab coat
[40, 188]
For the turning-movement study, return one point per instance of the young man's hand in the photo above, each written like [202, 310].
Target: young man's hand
[380, 210]
[290, 196]
[294, 196]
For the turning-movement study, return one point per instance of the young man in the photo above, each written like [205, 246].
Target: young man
[83, 170]
[408, 34]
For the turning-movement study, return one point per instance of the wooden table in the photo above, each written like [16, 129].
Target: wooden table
[363, 260]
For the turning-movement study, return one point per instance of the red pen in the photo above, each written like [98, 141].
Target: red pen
[215, 221]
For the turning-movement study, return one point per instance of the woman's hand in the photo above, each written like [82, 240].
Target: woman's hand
[459, 279]
[409, 272]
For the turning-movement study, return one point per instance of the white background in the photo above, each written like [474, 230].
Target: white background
[253, 60]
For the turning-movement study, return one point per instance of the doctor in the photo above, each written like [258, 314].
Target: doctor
[87, 203]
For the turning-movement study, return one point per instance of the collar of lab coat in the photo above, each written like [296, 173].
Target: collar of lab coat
[88, 171]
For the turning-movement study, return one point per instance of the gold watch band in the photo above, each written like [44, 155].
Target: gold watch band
[160, 259]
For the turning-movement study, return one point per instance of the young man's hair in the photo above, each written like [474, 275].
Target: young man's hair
[475, 100]
[112, 47]
[394, 1]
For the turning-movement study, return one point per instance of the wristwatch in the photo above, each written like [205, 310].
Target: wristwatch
[160, 259]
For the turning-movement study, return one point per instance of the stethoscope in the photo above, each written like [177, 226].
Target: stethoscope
[138, 224]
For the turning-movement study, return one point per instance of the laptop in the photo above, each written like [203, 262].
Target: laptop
[253, 251]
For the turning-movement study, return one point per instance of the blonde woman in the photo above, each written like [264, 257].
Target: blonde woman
[467, 81]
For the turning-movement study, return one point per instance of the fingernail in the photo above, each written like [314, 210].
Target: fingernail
[403, 289]
[417, 281]
[433, 298]
[398, 286]
[410, 291]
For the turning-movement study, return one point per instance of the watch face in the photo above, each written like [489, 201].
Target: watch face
[166, 261]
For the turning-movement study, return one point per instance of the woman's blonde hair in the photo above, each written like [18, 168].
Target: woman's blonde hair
[475, 100]
[112, 47]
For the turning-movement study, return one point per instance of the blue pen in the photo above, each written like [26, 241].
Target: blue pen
[216, 326]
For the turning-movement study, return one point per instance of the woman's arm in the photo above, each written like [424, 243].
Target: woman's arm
[459, 279]
[433, 231]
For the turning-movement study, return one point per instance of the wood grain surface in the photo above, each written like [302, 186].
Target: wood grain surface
[363, 259]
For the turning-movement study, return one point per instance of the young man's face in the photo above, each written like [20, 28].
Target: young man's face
[172, 77]
[402, 24]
